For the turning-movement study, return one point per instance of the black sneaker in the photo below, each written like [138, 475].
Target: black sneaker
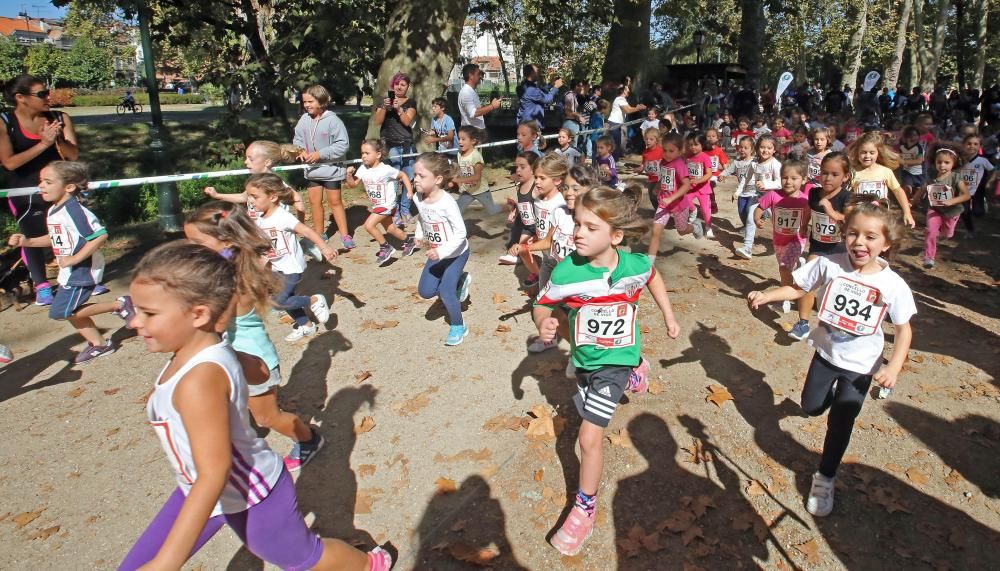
[304, 452]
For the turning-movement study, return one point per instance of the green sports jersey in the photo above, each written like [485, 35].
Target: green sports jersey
[602, 307]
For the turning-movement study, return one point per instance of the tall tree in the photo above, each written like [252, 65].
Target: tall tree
[752, 26]
[11, 59]
[892, 71]
[426, 36]
[982, 11]
[856, 46]
[628, 41]
[929, 78]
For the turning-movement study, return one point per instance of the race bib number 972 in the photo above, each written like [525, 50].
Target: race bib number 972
[608, 326]
[852, 306]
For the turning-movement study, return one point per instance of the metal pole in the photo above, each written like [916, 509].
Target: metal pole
[169, 204]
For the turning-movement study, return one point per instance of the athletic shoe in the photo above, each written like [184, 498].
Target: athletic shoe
[456, 334]
[6, 355]
[800, 330]
[409, 246]
[786, 306]
[574, 531]
[709, 233]
[570, 369]
[303, 452]
[507, 260]
[385, 254]
[100, 289]
[463, 287]
[539, 346]
[698, 229]
[379, 560]
[300, 332]
[692, 216]
[348, 242]
[531, 280]
[126, 311]
[744, 252]
[43, 296]
[320, 308]
[638, 378]
[820, 501]
[313, 250]
[94, 351]
[928, 264]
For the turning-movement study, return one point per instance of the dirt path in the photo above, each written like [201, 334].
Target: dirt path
[449, 473]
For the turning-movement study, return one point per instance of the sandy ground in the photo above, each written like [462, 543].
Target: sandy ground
[449, 474]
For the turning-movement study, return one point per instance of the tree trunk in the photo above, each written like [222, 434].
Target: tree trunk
[929, 78]
[752, 24]
[628, 41]
[960, 44]
[423, 40]
[854, 49]
[503, 63]
[892, 72]
[979, 69]
[918, 55]
[257, 21]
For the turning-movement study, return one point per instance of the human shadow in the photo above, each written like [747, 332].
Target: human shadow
[937, 330]
[306, 386]
[323, 277]
[456, 526]
[962, 444]
[437, 310]
[18, 377]
[737, 280]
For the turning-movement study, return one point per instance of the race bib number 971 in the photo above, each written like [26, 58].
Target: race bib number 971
[852, 306]
[608, 326]
[937, 194]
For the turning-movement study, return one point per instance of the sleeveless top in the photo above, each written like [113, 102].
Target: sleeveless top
[20, 140]
[247, 335]
[255, 467]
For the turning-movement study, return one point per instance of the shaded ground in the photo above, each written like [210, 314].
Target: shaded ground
[449, 475]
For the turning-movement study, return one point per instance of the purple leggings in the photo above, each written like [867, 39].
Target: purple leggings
[272, 530]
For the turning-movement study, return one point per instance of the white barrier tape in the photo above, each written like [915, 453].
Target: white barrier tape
[139, 181]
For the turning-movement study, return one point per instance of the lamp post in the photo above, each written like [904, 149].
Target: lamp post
[699, 41]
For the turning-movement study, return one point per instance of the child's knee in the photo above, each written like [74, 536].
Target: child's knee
[426, 291]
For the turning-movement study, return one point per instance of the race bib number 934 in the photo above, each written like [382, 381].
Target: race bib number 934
[852, 306]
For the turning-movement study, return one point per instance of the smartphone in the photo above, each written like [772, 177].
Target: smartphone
[391, 95]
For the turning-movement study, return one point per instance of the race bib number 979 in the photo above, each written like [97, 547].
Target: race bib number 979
[608, 326]
[824, 229]
[852, 306]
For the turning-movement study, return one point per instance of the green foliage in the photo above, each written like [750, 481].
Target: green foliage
[11, 59]
[86, 64]
[143, 98]
[43, 60]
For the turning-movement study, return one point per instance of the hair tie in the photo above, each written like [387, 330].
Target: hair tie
[227, 253]
[223, 214]
[946, 150]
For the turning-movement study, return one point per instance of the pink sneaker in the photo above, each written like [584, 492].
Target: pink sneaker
[379, 560]
[574, 531]
[638, 379]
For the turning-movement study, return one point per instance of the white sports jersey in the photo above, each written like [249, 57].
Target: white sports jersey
[563, 227]
[255, 467]
[71, 226]
[381, 185]
[543, 213]
[441, 225]
[286, 254]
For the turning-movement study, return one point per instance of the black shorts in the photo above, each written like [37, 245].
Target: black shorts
[326, 184]
[598, 392]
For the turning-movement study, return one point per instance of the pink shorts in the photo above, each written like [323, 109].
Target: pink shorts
[680, 217]
[788, 254]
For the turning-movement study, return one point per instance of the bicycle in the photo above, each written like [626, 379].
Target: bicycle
[124, 106]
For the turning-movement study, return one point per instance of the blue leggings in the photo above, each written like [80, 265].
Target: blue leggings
[294, 305]
[743, 206]
[441, 278]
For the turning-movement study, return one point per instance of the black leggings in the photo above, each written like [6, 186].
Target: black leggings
[844, 401]
[30, 212]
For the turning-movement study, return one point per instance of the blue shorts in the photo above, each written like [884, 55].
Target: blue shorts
[69, 299]
[911, 180]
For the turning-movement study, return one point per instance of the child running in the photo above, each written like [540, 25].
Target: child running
[76, 237]
[911, 162]
[857, 289]
[198, 409]
[700, 173]
[522, 218]
[820, 139]
[946, 195]
[745, 194]
[380, 182]
[652, 155]
[529, 138]
[442, 229]
[224, 228]
[975, 173]
[600, 285]
[549, 172]
[672, 200]
[719, 159]
[766, 177]
[790, 216]
[470, 182]
[873, 164]
[827, 205]
[607, 167]
[265, 191]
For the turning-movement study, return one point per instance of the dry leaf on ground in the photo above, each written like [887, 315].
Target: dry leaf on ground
[478, 556]
[110, 392]
[76, 392]
[367, 424]
[501, 422]
[917, 477]
[755, 489]
[23, 519]
[810, 549]
[539, 474]
[718, 395]
[371, 324]
[678, 521]
[656, 387]
[45, 533]
[620, 439]
[366, 470]
[445, 485]
[498, 299]
[696, 453]
[691, 533]
[362, 377]
[503, 328]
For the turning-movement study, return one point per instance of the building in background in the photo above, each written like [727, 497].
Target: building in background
[28, 31]
[480, 47]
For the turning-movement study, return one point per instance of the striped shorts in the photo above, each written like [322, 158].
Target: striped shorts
[598, 392]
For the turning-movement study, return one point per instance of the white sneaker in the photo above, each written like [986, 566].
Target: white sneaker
[709, 233]
[538, 346]
[786, 306]
[507, 260]
[820, 501]
[570, 369]
[300, 332]
[320, 308]
[744, 253]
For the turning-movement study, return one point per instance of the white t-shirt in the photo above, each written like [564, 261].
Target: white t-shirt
[71, 226]
[836, 146]
[570, 154]
[441, 225]
[617, 114]
[974, 172]
[857, 302]
[543, 213]
[647, 124]
[467, 168]
[910, 153]
[768, 172]
[743, 171]
[286, 255]
[381, 185]
[468, 104]
[563, 227]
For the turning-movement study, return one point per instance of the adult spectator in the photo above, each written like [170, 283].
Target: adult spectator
[803, 98]
[588, 108]
[34, 136]
[619, 109]
[396, 115]
[532, 98]
[835, 101]
[468, 99]
[322, 137]
[571, 114]
[988, 104]
[745, 103]
[916, 103]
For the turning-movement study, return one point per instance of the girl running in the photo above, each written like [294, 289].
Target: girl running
[827, 205]
[911, 162]
[224, 228]
[600, 285]
[443, 230]
[522, 218]
[873, 164]
[198, 408]
[790, 217]
[946, 194]
[673, 201]
[820, 140]
[549, 174]
[380, 182]
[529, 138]
[975, 173]
[566, 149]
[857, 289]
[745, 194]
[699, 167]
[470, 181]
[719, 159]
[265, 191]
[652, 155]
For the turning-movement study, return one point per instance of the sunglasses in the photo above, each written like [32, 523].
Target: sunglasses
[43, 94]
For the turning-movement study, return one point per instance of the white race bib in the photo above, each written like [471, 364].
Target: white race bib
[814, 167]
[876, 187]
[382, 194]
[609, 325]
[695, 170]
[651, 167]
[526, 211]
[279, 244]
[542, 221]
[761, 174]
[562, 244]
[435, 233]
[938, 193]
[715, 162]
[824, 229]
[668, 180]
[62, 245]
[852, 306]
[251, 211]
[787, 221]
[971, 178]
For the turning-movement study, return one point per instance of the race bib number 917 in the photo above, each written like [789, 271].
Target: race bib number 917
[852, 306]
[609, 326]
[787, 221]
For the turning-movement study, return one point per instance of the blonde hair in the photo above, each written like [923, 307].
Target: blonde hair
[439, 165]
[272, 185]
[274, 152]
[554, 166]
[71, 173]
[652, 131]
[886, 156]
[195, 274]
[532, 126]
[892, 227]
[620, 209]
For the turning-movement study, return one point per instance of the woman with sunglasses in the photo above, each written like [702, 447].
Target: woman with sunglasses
[32, 137]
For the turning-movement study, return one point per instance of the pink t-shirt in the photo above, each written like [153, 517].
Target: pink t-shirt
[697, 166]
[785, 136]
[672, 173]
[788, 216]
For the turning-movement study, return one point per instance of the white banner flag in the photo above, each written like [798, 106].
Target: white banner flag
[783, 82]
[871, 79]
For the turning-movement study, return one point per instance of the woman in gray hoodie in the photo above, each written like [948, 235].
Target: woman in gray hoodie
[323, 138]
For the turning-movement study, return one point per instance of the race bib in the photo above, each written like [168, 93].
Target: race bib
[762, 175]
[62, 244]
[851, 136]
[741, 173]
[435, 233]
[814, 167]
[607, 326]
[852, 306]
[381, 193]
[562, 244]
[715, 162]
[542, 222]
[971, 178]
[526, 211]
[251, 211]
[875, 187]
[651, 167]
[787, 221]
[938, 193]
[279, 244]
[696, 170]
[668, 180]
[824, 229]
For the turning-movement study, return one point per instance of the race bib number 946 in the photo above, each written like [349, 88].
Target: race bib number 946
[852, 306]
[607, 325]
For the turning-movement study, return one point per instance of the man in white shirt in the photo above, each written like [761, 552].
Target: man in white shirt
[468, 99]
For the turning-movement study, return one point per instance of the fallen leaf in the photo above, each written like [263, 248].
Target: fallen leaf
[696, 453]
[110, 392]
[743, 521]
[541, 429]
[678, 521]
[917, 358]
[651, 542]
[539, 474]
[620, 439]
[691, 533]
[390, 308]
[23, 519]
[811, 551]
[76, 392]
[701, 504]
[467, 455]
[917, 477]
[45, 533]
[631, 544]
[445, 485]
[112, 432]
[656, 387]
[371, 324]
[367, 424]
[718, 395]
[362, 377]
[503, 328]
[366, 470]
[645, 330]
[953, 478]
[498, 299]
[755, 489]
[501, 422]
[364, 499]
[478, 556]
[414, 405]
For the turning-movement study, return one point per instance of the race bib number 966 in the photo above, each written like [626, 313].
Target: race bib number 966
[435, 233]
[607, 325]
[852, 306]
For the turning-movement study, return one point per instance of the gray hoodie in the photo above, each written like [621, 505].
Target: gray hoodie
[327, 135]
